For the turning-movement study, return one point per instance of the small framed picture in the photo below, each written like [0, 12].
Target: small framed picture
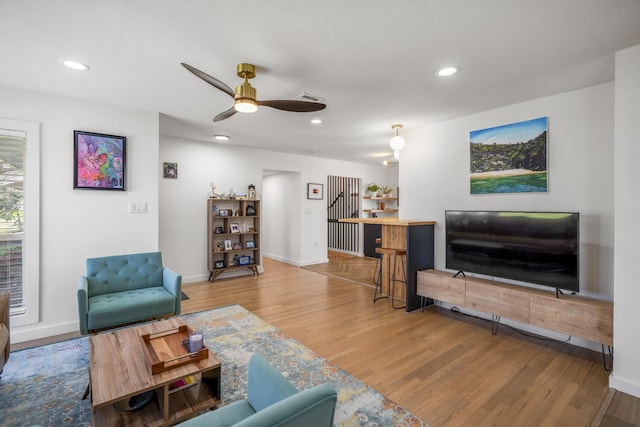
[234, 227]
[218, 264]
[218, 230]
[237, 246]
[223, 212]
[244, 260]
[250, 244]
[314, 191]
[252, 194]
[170, 170]
[227, 245]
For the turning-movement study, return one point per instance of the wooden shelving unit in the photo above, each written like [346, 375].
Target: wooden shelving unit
[384, 205]
[233, 235]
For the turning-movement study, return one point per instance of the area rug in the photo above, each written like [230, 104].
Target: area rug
[43, 385]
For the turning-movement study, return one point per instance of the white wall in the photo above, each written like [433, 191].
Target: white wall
[280, 236]
[76, 224]
[626, 372]
[435, 172]
[183, 238]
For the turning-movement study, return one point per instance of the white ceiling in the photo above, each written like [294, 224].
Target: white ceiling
[372, 60]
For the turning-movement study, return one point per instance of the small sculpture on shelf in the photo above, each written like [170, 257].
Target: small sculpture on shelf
[214, 195]
[251, 193]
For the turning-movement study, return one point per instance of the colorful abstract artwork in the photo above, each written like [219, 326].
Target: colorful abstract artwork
[510, 158]
[99, 161]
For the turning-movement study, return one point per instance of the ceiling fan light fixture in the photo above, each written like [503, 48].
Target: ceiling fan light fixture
[397, 142]
[246, 105]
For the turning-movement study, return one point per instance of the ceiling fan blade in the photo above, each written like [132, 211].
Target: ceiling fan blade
[292, 105]
[225, 114]
[211, 80]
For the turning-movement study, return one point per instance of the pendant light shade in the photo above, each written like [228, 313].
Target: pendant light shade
[397, 142]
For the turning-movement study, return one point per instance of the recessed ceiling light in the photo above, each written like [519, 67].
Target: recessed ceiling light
[75, 65]
[447, 71]
[221, 137]
[316, 121]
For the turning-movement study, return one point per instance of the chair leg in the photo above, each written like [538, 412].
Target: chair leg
[392, 282]
[379, 283]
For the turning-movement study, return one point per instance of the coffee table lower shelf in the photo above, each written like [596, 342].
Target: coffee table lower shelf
[166, 409]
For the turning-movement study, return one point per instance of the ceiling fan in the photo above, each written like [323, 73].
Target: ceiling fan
[245, 95]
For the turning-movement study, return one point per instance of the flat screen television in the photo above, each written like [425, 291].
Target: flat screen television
[533, 247]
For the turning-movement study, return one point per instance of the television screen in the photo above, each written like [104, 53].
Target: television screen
[533, 247]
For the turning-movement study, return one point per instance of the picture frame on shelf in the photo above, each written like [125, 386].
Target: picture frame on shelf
[237, 246]
[99, 161]
[314, 191]
[244, 260]
[218, 264]
[218, 230]
[223, 212]
[227, 245]
[250, 244]
[234, 227]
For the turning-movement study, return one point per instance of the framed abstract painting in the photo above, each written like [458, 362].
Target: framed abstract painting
[99, 161]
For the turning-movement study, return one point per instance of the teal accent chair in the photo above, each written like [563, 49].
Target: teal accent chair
[124, 289]
[273, 401]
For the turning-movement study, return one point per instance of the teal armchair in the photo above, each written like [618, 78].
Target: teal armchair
[273, 401]
[122, 289]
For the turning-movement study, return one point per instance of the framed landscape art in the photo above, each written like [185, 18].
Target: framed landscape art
[99, 161]
[510, 158]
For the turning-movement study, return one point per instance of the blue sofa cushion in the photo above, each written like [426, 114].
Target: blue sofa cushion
[119, 273]
[273, 401]
[129, 306]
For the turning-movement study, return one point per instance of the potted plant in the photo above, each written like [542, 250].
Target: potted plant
[386, 190]
[373, 189]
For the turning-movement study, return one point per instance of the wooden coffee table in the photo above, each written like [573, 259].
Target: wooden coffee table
[120, 370]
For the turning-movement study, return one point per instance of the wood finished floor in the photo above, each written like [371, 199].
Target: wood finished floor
[445, 367]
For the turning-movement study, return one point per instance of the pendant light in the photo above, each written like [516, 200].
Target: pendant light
[397, 142]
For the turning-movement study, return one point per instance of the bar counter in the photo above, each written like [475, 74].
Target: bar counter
[414, 236]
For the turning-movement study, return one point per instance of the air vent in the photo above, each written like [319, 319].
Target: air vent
[308, 97]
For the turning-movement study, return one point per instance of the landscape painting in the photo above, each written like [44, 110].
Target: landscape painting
[510, 158]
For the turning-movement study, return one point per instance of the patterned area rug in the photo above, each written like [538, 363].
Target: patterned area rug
[43, 385]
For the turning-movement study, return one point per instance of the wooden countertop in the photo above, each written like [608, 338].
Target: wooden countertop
[386, 221]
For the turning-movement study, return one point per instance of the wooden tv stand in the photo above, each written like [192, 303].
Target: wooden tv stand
[582, 317]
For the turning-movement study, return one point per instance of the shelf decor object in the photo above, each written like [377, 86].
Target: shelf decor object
[98, 161]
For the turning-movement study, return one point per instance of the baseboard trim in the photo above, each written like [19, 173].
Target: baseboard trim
[624, 385]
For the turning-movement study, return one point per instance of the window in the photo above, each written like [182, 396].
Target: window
[19, 218]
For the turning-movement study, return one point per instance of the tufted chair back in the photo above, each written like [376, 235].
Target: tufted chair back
[123, 272]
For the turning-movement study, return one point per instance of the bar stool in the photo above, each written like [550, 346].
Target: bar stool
[377, 273]
[395, 253]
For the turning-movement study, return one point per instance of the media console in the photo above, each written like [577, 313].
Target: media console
[582, 317]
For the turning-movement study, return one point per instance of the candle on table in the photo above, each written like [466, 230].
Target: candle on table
[195, 341]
